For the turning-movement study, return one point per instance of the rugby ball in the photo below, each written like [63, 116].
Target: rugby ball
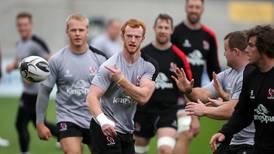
[34, 68]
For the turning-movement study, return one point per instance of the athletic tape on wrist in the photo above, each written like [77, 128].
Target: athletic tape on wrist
[102, 119]
[184, 123]
[141, 149]
[166, 141]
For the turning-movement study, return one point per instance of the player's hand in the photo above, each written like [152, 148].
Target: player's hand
[9, 68]
[218, 87]
[182, 82]
[43, 132]
[215, 102]
[215, 139]
[196, 109]
[115, 73]
[108, 130]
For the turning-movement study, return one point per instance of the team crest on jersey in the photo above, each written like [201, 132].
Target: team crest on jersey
[172, 67]
[92, 70]
[270, 94]
[206, 45]
[186, 43]
[138, 80]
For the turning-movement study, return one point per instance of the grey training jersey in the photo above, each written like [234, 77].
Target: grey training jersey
[73, 74]
[115, 103]
[106, 45]
[231, 81]
[33, 46]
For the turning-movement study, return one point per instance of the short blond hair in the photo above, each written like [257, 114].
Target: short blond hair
[78, 17]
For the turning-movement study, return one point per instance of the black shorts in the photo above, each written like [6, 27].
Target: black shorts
[146, 124]
[121, 144]
[223, 147]
[28, 102]
[240, 149]
[68, 129]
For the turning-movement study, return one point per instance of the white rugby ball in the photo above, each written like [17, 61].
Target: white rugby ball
[34, 68]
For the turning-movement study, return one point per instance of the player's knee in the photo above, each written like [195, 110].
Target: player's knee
[185, 136]
[141, 149]
[166, 144]
[71, 149]
[184, 123]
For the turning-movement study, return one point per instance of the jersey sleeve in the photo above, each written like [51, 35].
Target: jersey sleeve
[236, 90]
[52, 78]
[102, 78]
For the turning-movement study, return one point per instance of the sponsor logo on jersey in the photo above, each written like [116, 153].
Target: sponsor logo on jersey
[206, 45]
[261, 114]
[79, 88]
[162, 82]
[123, 99]
[196, 58]
[270, 94]
[252, 96]
[186, 43]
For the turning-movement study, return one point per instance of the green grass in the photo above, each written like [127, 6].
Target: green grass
[8, 110]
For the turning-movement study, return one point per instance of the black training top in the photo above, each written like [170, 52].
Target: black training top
[166, 92]
[200, 47]
[256, 103]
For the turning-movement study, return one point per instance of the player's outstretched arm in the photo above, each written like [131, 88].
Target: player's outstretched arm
[186, 87]
[93, 97]
[41, 108]
[141, 93]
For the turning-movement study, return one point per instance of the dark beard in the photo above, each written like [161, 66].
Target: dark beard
[193, 21]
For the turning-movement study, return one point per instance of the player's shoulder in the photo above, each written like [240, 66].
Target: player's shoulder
[250, 70]
[60, 54]
[97, 52]
[149, 60]
[179, 26]
[147, 48]
[208, 31]
[40, 42]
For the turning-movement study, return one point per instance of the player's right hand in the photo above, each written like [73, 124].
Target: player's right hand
[215, 139]
[182, 82]
[108, 130]
[9, 68]
[43, 132]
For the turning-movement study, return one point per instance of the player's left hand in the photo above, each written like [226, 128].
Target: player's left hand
[196, 109]
[218, 87]
[108, 130]
[115, 73]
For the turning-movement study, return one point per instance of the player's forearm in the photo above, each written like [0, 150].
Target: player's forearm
[140, 94]
[94, 104]
[218, 113]
[42, 103]
[198, 93]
